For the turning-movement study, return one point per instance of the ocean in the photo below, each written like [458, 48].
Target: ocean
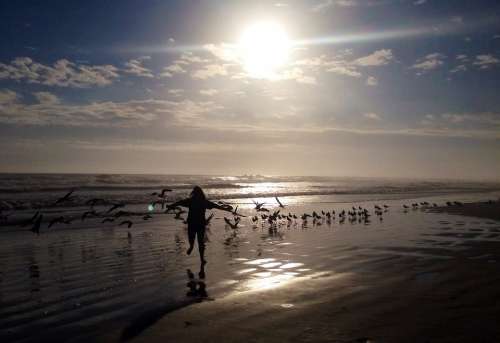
[33, 191]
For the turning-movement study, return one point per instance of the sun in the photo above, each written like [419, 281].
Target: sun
[264, 48]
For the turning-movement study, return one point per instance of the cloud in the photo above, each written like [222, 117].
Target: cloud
[322, 6]
[419, 2]
[176, 91]
[209, 71]
[330, 3]
[377, 58]
[8, 97]
[429, 62]
[209, 92]
[371, 81]
[485, 61]
[371, 116]
[46, 98]
[171, 70]
[487, 118]
[135, 67]
[459, 68]
[339, 64]
[179, 65]
[63, 73]
[226, 52]
[134, 113]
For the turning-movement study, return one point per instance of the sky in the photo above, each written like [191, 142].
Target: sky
[383, 88]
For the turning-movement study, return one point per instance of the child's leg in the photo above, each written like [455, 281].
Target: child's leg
[201, 244]
[191, 238]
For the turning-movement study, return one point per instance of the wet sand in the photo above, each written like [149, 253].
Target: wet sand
[415, 276]
[387, 297]
[389, 302]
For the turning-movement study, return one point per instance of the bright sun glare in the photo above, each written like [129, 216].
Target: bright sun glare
[264, 47]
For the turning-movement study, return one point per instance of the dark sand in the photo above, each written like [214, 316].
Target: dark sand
[380, 299]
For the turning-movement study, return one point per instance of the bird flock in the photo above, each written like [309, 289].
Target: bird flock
[113, 212]
[273, 215]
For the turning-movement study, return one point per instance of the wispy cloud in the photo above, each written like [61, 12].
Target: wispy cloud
[63, 73]
[486, 61]
[429, 62]
[209, 92]
[136, 67]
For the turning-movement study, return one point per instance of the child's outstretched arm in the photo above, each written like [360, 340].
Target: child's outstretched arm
[183, 203]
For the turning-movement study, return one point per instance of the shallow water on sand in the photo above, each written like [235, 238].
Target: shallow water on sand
[66, 283]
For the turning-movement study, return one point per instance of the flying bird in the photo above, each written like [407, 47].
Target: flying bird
[115, 206]
[231, 225]
[65, 198]
[57, 220]
[279, 202]
[209, 218]
[88, 213]
[93, 202]
[126, 222]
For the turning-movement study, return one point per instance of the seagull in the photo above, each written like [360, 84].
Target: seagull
[258, 206]
[57, 220]
[121, 214]
[178, 214]
[126, 222]
[32, 219]
[86, 214]
[209, 218]
[305, 216]
[231, 225]
[93, 202]
[163, 191]
[279, 202]
[67, 197]
[115, 206]
[37, 224]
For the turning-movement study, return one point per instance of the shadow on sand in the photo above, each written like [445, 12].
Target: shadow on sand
[197, 293]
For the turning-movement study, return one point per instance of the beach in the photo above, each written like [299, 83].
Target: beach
[384, 297]
[423, 274]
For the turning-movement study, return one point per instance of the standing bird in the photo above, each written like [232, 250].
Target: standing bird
[37, 224]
